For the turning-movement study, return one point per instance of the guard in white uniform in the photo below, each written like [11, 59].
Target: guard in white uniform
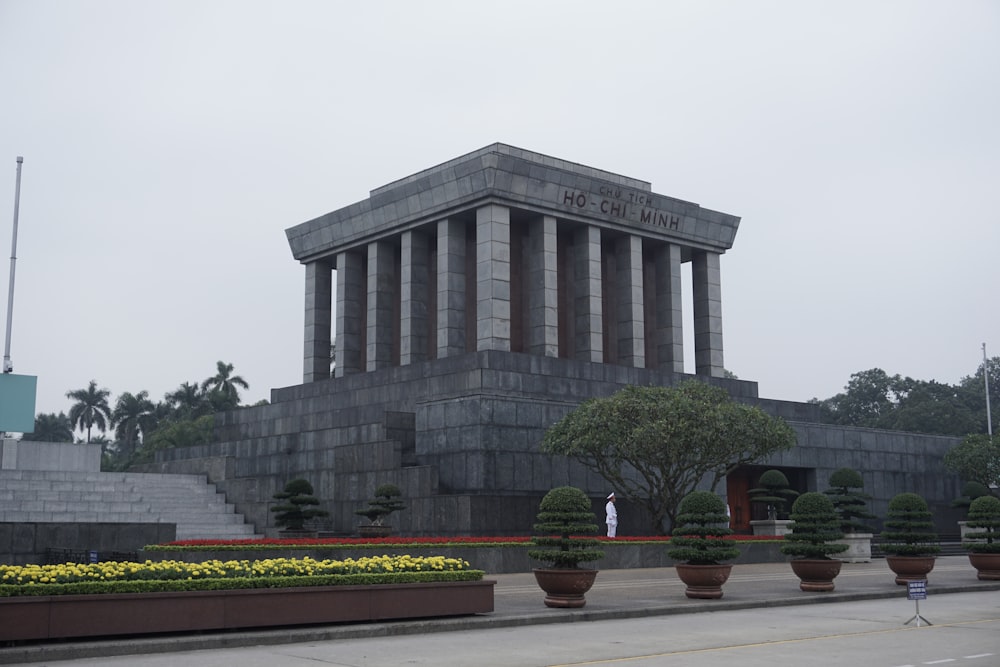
[612, 515]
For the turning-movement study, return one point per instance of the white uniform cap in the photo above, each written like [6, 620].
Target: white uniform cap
[611, 495]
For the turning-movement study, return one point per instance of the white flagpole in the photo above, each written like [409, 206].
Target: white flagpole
[7, 365]
[986, 381]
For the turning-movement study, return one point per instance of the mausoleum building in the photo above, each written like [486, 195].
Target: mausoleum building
[473, 304]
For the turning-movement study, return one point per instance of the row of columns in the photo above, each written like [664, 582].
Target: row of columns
[443, 291]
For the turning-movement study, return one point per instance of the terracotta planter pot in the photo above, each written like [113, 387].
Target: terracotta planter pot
[816, 574]
[987, 566]
[910, 568]
[704, 582]
[64, 616]
[565, 587]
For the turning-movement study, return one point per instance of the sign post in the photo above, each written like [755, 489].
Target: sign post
[917, 591]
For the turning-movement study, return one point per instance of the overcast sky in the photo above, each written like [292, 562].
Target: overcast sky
[168, 145]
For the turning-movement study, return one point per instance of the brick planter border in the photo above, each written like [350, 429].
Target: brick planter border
[65, 616]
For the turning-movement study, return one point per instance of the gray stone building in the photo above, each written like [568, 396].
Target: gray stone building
[476, 303]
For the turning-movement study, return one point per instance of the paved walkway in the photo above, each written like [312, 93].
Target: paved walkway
[518, 601]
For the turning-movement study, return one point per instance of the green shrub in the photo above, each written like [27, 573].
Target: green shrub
[298, 505]
[773, 491]
[909, 528]
[984, 513]
[388, 499]
[563, 512]
[702, 527]
[970, 492]
[815, 528]
[850, 504]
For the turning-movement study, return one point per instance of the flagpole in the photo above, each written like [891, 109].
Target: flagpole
[7, 365]
[986, 381]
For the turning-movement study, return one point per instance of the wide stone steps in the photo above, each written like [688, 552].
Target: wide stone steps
[189, 501]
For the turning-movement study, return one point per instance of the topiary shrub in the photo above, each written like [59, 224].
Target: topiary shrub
[970, 492]
[388, 499]
[984, 515]
[563, 512]
[702, 528]
[909, 528]
[815, 528]
[772, 490]
[851, 505]
[298, 505]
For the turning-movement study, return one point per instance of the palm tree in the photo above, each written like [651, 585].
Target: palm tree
[91, 408]
[51, 428]
[132, 418]
[188, 401]
[225, 385]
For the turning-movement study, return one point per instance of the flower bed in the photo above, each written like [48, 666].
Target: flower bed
[107, 599]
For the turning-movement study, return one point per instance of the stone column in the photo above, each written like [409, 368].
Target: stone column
[350, 313]
[589, 339]
[451, 288]
[669, 327]
[414, 296]
[493, 278]
[543, 289]
[381, 285]
[707, 288]
[319, 292]
[630, 327]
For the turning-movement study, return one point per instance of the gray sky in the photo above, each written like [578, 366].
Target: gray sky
[168, 145]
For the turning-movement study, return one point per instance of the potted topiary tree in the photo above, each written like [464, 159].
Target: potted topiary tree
[298, 505]
[814, 538]
[970, 492]
[565, 511]
[909, 540]
[700, 539]
[388, 499]
[773, 492]
[851, 505]
[983, 539]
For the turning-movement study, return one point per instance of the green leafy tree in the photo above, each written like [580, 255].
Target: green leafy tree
[51, 427]
[298, 505]
[655, 444]
[223, 387]
[815, 528]
[909, 527]
[701, 536]
[133, 417]
[976, 459]
[849, 501]
[91, 408]
[773, 491]
[188, 401]
[388, 499]
[177, 433]
[563, 515]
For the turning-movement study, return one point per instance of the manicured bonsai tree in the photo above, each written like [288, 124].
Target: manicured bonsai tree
[970, 492]
[298, 505]
[850, 503]
[563, 512]
[700, 537]
[909, 528]
[773, 490]
[388, 499]
[815, 528]
[984, 516]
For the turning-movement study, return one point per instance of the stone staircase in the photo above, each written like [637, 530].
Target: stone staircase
[189, 501]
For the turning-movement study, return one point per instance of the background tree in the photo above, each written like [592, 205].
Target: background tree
[177, 433]
[91, 408]
[132, 418]
[654, 445]
[188, 401]
[51, 427]
[223, 387]
[976, 459]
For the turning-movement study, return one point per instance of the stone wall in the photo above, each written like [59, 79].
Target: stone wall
[27, 542]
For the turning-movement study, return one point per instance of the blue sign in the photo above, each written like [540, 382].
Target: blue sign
[916, 590]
